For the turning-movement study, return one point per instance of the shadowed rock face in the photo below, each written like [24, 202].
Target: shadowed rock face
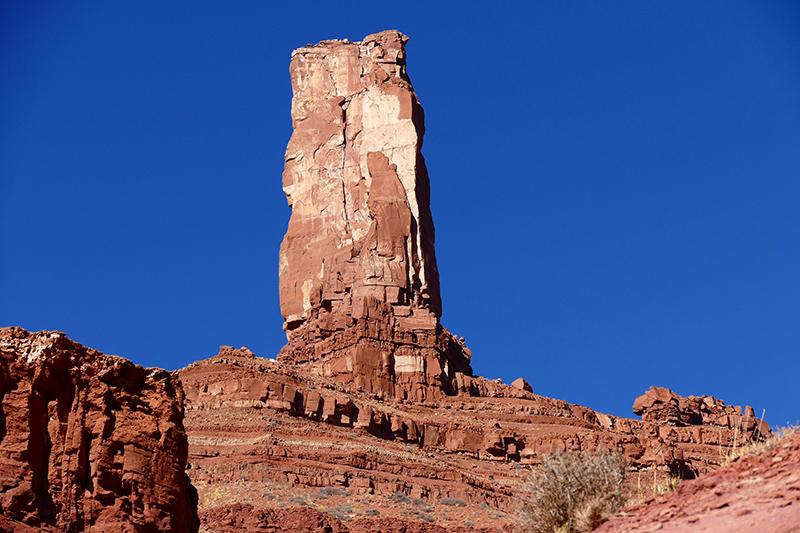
[359, 286]
[89, 441]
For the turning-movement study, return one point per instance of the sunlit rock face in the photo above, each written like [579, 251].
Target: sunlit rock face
[359, 287]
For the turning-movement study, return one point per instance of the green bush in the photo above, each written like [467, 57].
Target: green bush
[574, 492]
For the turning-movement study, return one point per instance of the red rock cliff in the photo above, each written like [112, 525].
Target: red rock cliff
[359, 286]
[90, 441]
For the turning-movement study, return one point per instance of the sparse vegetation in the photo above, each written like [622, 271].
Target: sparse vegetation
[298, 500]
[458, 502]
[342, 511]
[757, 446]
[338, 514]
[324, 492]
[574, 492]
[669, 485]
[422, 505]
[400, 497]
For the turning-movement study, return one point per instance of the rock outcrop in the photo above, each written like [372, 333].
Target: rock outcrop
[359, 287]
[662, 405]
[89, 441]
[275, 433]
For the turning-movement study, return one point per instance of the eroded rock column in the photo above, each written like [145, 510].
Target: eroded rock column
[359, 286]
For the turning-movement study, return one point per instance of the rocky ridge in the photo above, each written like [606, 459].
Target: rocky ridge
[283, 436]
[89, 441]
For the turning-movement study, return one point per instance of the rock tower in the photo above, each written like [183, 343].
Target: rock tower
[359, 287]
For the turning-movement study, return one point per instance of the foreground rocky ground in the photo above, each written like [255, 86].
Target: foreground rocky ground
[753, 493]
[756, 493]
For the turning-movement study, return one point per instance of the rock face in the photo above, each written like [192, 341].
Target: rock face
[359, 287]
[90, 441]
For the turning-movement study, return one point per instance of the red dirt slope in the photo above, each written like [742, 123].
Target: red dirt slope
[754, 493]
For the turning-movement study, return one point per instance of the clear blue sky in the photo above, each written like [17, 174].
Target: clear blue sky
[615, 185]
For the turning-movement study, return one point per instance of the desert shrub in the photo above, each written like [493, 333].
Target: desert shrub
[574, 491]
[335, 491]
[371, 512]
[338, 514]
[298, 500]
[458, 502]
[400, 497]
[324, 492]
[422, 505]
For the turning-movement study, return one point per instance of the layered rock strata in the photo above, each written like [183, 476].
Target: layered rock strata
[256, 423]
[90, 441]
[359, 287]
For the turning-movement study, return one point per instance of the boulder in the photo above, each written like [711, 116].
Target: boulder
[522, 384]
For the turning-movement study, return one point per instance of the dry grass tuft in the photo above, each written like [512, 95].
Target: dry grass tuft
[755, 447]
[668, 485]
[574, 492]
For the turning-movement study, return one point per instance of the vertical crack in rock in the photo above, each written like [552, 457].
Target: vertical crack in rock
[359, 286]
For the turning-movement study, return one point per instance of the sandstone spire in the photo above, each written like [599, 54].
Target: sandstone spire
[359, 286]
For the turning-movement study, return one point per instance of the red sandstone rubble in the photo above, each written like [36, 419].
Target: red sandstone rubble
[359, 286]
[89, 441]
